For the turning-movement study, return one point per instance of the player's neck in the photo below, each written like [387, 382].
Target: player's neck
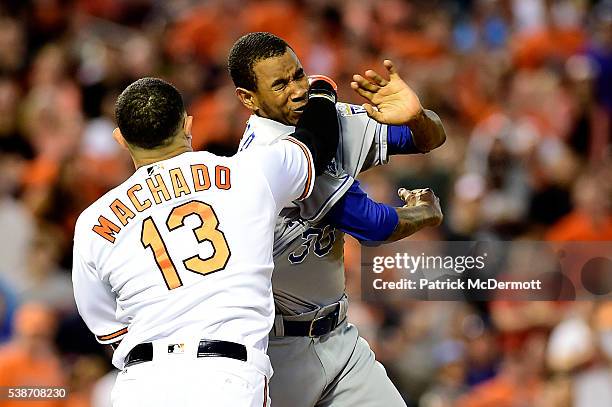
[142, 157]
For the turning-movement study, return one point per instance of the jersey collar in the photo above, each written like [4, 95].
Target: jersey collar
[267, 131]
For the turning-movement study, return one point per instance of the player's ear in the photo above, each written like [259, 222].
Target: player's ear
[248, 98]
[119, 138]
[187, 124]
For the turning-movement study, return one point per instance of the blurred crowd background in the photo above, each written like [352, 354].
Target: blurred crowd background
[523, 88]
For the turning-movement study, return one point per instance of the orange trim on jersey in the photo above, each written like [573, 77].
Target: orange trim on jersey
[227, 184]
[310, 165]
[114, 335]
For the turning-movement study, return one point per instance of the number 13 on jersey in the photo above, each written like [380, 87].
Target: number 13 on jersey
[207, 231]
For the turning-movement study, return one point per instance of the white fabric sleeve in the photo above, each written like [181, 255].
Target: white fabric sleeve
[288, 167]
[95, 301]
[363, 142]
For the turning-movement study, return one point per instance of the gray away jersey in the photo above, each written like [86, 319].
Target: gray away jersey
[308, 253]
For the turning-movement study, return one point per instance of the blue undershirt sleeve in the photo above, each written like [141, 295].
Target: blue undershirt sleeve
[361, 217]
[399, 141]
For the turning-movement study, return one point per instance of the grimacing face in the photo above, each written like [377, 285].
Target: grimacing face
[282, 88]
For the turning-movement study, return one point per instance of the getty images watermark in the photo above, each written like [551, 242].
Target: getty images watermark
[483, 271]
[457, 264]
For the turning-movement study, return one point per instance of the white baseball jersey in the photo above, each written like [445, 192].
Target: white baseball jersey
[184, 248]
[362, 144]
[308, 253]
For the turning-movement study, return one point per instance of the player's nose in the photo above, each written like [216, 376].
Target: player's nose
[299, 90]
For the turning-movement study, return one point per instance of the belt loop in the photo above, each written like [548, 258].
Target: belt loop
[279, 326]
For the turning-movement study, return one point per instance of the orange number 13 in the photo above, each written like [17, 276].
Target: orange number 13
[208, 231]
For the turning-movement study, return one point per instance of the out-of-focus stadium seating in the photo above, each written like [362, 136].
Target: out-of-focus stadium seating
[523, 88]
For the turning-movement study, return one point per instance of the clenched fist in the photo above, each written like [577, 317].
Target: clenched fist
[424, 198]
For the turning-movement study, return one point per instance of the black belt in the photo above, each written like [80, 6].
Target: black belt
[206, 348]
[317, 327]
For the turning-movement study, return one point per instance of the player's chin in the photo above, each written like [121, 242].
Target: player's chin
[294, 117]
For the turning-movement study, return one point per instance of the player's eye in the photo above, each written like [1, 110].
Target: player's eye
[279, 85]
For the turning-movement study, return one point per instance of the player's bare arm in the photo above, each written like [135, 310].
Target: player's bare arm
[393, 102]
[422, 209]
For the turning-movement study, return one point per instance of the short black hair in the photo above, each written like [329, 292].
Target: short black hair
[248, 50]
[149, 112]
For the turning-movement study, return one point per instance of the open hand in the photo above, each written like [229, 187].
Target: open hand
[391, 101]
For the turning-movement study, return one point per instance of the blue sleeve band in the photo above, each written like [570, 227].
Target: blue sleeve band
[364, 219]
[399, 140]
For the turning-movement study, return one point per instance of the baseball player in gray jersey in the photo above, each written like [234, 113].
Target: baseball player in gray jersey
[318, 357]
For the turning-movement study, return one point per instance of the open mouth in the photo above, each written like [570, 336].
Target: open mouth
[300, 109]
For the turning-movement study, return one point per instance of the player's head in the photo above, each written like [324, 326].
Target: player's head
[268, 76]
[150, 114]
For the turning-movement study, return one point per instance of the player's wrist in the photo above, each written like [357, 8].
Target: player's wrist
[417, 117]
[428, 214]
[434, 217]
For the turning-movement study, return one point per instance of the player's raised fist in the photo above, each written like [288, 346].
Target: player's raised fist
[423, 198]
[322, 86]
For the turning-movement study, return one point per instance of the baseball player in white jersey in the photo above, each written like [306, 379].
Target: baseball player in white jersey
[174, 269]
[319, 357]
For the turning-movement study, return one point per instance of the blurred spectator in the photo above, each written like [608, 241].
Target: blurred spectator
[449, 383]
[12, 45]
[573, 350]
[518, 381]
[592, 386]
[591, 218]
[15, 219]
[86, 371]
[523, 89]
[29, 359]
[9, 103]
[45, 281]
[8, 304]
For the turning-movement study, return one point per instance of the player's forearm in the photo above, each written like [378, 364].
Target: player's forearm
[361, 217]
[427, 131]
[411, 220]
[318, 128]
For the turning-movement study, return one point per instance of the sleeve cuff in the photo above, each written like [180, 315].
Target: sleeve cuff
[112, 337]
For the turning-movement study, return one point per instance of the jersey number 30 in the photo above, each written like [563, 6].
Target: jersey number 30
[208, 231]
